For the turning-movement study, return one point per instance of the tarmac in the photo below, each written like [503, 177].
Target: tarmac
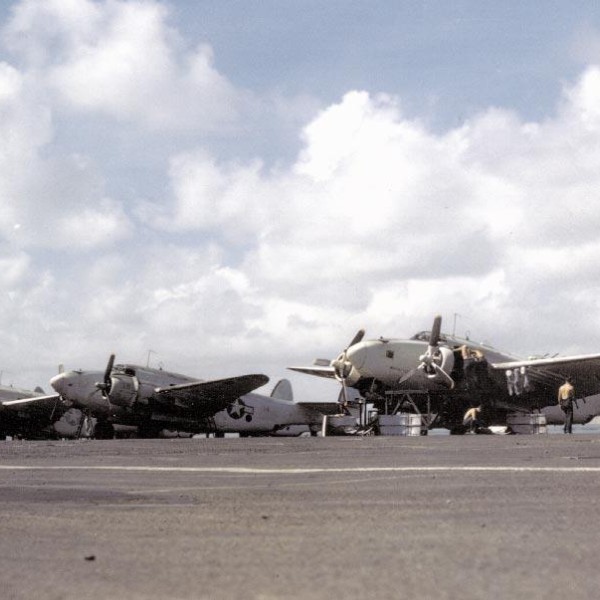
[438, 517]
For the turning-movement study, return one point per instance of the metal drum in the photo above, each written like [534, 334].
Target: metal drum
[400, 424]
[527, 423]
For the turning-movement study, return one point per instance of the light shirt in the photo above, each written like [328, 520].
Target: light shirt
[471, 414]
[566, 391]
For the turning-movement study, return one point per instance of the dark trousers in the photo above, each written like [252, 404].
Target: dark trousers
[568, 410]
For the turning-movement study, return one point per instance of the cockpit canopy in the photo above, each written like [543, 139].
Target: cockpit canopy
[125, 370]
[425, 336]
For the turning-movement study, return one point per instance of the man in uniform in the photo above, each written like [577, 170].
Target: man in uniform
[566, 397]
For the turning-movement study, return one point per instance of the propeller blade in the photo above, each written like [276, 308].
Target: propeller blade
[360, 334]
[444, 376]
[109, 368]
[435, 331]
[408, 376]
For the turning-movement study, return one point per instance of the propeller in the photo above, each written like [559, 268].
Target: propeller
[106, 384]
[430, 361]
[341, 365]
[343, 368]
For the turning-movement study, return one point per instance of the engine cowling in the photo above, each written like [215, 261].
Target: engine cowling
[345, 371]
[123, 390]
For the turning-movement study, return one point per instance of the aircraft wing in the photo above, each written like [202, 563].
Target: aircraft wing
[37, 406]
[584, 370]
[327, 372]
[42, 401]
[205, 398]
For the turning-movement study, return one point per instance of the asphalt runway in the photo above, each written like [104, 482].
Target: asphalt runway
[263, 518]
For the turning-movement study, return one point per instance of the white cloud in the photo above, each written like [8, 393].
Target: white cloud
[91, 227]
[13, 269]
[209, 197]
[121, 59]
[46, 199]
[472, 221]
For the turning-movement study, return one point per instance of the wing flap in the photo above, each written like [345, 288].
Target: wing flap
[205, 398]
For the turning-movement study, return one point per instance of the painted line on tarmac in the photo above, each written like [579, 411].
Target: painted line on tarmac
[308, 470]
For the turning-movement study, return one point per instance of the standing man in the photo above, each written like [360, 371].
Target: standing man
[566, 397]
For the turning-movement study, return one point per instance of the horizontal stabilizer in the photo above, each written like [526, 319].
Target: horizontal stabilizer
[283, 391]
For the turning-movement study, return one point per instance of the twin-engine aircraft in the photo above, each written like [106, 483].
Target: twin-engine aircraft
[154, 400]
[441, 376]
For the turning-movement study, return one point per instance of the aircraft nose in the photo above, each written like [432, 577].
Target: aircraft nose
[357, 355]
[58, 383]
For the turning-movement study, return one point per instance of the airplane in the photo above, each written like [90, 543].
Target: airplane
[154, 400]
[31, 422]
[441, 376]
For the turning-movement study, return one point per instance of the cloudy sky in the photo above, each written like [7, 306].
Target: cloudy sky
[234, 187]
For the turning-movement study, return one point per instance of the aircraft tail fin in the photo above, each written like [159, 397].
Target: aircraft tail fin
[283, 391]
[39, 390]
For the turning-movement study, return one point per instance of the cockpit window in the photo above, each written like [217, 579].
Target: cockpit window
[424, 336]
[125, 370]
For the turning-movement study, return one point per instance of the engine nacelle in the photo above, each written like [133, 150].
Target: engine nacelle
[438, 366]
[123, 390]
[345, 371]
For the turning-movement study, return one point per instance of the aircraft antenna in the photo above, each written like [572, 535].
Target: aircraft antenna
[148, 360]
[456, 315]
